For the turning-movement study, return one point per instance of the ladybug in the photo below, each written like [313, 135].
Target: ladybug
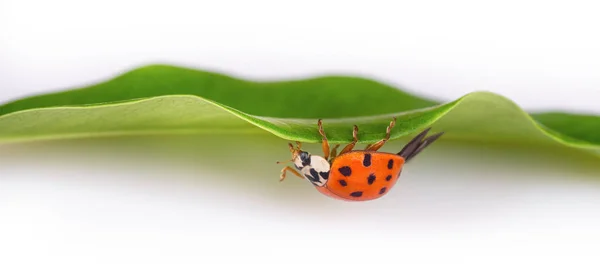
[355, 175]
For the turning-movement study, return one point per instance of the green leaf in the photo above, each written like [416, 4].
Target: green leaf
[161, 99]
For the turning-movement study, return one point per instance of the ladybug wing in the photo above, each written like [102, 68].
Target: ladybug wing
[361, 175]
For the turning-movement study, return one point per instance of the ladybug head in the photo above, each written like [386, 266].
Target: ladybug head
[300, 158]
[313, 167]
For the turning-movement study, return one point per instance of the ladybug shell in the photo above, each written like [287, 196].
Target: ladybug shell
[362, 175]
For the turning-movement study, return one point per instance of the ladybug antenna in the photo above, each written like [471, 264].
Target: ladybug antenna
[417, 144]
[295, 151]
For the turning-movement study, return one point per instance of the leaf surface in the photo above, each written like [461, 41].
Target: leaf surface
[162, 99]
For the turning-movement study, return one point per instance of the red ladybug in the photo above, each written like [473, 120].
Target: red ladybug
[355, 175]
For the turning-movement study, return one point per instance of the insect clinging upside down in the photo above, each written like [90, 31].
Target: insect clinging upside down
[355, 175]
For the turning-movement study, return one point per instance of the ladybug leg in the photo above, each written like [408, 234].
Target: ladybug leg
[350, 146]
[376, 146]
[334, 151]
[288, 168]
[325, 143]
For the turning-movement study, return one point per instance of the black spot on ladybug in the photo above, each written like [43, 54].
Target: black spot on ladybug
[325, 175]
[388, 178]
[345, 171]
[356, 194]
[390, 164]
[314, 176]
[343, 183]
[382, 191]
[371, 179]
[367, 160]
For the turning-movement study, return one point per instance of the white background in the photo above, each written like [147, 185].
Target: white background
[129, 206]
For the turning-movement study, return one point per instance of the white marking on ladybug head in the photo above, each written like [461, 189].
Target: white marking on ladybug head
[313, 167]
